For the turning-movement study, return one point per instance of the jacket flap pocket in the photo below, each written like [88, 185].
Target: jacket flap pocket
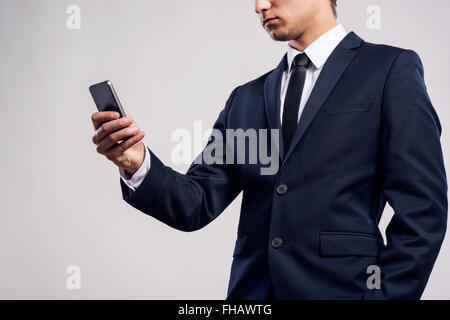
[364, 106]
[240, 244]
[349, 244]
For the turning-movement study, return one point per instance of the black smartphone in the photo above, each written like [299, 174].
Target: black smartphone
[105, 97]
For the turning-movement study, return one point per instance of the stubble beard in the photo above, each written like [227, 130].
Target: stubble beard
[278, 34]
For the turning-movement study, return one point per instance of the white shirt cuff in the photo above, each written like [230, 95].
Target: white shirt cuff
[135, 181]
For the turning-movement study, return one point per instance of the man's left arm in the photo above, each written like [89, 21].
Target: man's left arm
[414, 182]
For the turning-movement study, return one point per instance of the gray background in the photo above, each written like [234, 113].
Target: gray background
[172, 62]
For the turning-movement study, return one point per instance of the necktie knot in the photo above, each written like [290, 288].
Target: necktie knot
[301, 60]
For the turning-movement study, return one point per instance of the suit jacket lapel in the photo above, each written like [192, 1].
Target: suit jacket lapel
[272, 88]
[329, 76]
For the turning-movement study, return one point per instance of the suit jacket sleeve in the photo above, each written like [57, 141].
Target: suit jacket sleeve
[413, 182]
[188, 202]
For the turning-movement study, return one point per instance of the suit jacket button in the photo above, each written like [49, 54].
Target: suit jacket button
[277, 242]
[282, 189]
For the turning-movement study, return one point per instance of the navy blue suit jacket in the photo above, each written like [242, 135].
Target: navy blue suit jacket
[368, 134]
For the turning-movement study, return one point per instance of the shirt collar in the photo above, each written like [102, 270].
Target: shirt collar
[319, 51]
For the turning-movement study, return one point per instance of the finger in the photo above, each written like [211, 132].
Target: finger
[111, 126]
[115, 137]
[125, 145]
[98, 118]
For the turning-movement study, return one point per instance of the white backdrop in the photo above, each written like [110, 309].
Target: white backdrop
[173, 63]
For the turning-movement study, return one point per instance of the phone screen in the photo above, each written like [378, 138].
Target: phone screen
[105, 97]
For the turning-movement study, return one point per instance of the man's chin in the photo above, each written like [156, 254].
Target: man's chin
[279, 36]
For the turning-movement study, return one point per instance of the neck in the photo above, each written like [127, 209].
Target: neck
[312, 34]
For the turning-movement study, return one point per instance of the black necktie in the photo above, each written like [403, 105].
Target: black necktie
[293, 98]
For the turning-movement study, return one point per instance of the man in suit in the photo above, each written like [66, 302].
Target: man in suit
[357, 129]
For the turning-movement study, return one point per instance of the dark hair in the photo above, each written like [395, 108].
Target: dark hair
[333, 6]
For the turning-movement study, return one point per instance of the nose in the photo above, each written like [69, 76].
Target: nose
[262, 5]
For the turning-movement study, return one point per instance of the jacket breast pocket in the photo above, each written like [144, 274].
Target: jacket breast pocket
[350, 244]
[346, 107]
[240, 245]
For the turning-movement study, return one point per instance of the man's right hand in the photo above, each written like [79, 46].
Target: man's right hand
[119, 140]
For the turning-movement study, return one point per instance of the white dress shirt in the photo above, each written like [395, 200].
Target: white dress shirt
[318, 52]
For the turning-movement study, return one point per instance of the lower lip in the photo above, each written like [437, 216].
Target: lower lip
[268, 23]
